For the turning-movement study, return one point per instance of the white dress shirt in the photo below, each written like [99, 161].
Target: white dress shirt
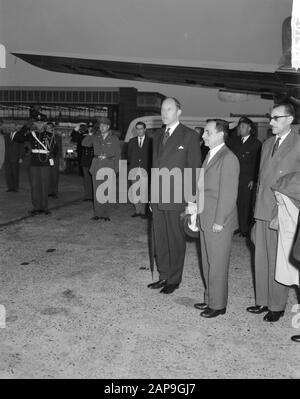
[282, 138]
[172, 128]
[213, 151]
[141, 141]
[245, 138]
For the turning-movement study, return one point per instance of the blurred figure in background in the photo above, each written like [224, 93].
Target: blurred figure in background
[86, 160]
[204, 149]
[247, 148]
[76, 137]
[2, 144]
[54, 174]
[12, 159]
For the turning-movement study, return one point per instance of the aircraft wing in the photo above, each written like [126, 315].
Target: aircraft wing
[264, 80]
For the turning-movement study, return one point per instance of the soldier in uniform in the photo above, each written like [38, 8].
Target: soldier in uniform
[107, 153]
[247, 148]
[43, 152]
[86, 160]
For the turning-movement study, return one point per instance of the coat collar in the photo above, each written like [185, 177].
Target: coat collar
[215, 158]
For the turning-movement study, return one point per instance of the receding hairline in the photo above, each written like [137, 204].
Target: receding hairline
[175, 101]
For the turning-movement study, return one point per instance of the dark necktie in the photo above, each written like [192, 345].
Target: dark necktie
[140, 142]
[276, 145]
[166, 136]
[242, 140]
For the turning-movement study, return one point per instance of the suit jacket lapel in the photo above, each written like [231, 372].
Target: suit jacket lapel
[283, 149]
[173, 140]
[215, 158]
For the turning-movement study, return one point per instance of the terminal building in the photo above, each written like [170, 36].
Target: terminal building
[79, 104]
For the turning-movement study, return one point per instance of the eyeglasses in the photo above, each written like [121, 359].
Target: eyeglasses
[276, 117]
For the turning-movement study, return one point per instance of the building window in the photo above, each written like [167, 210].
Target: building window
[88, 97]
[55, 96]
[23, 96]
[69, 96]
[61, 96]
[102, 97]
[43, 96]
[81, 97]
[95, 97]
[75, 97]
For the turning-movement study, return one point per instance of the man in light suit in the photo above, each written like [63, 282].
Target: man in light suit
[218, 219]
[139, 154]
[280, 156]
[175, 148]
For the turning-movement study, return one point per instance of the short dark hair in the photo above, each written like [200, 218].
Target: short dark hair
[140, 123]
[221, 126]
[288, 108]
[249, 122]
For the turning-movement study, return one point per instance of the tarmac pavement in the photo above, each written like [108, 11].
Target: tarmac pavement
[77, 306]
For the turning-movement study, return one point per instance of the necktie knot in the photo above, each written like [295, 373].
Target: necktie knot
[166, 136]
[276, 145]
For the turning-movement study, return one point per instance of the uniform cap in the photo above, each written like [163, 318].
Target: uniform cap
[104, 119]
[39, 117]
[244, 119]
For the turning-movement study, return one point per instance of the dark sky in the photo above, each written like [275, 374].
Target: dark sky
[232, 31]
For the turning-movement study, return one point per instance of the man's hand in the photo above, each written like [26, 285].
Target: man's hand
[217, 228]
[251, 185]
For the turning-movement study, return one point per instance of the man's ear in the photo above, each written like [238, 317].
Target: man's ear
[179, 112]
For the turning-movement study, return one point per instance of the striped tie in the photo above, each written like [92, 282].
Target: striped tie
[166, 136]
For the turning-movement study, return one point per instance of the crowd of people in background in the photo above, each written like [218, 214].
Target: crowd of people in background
[247, 188]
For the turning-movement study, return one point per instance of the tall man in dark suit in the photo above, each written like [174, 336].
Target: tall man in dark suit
[175, 149]
[280, 156]
[218, 218]
[247, 148]
[139, 157]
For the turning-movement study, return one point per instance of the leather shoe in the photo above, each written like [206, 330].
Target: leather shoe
[157, 284]
[273, 316]
[135, 215]
[47, 212]
[34, 212]
[106, 219]
[295, 338]
[257, 309]
[169, 288]
[95, 218]
[201, 306]
[209, 313]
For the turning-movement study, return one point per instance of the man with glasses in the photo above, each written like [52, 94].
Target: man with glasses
[280, 156]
